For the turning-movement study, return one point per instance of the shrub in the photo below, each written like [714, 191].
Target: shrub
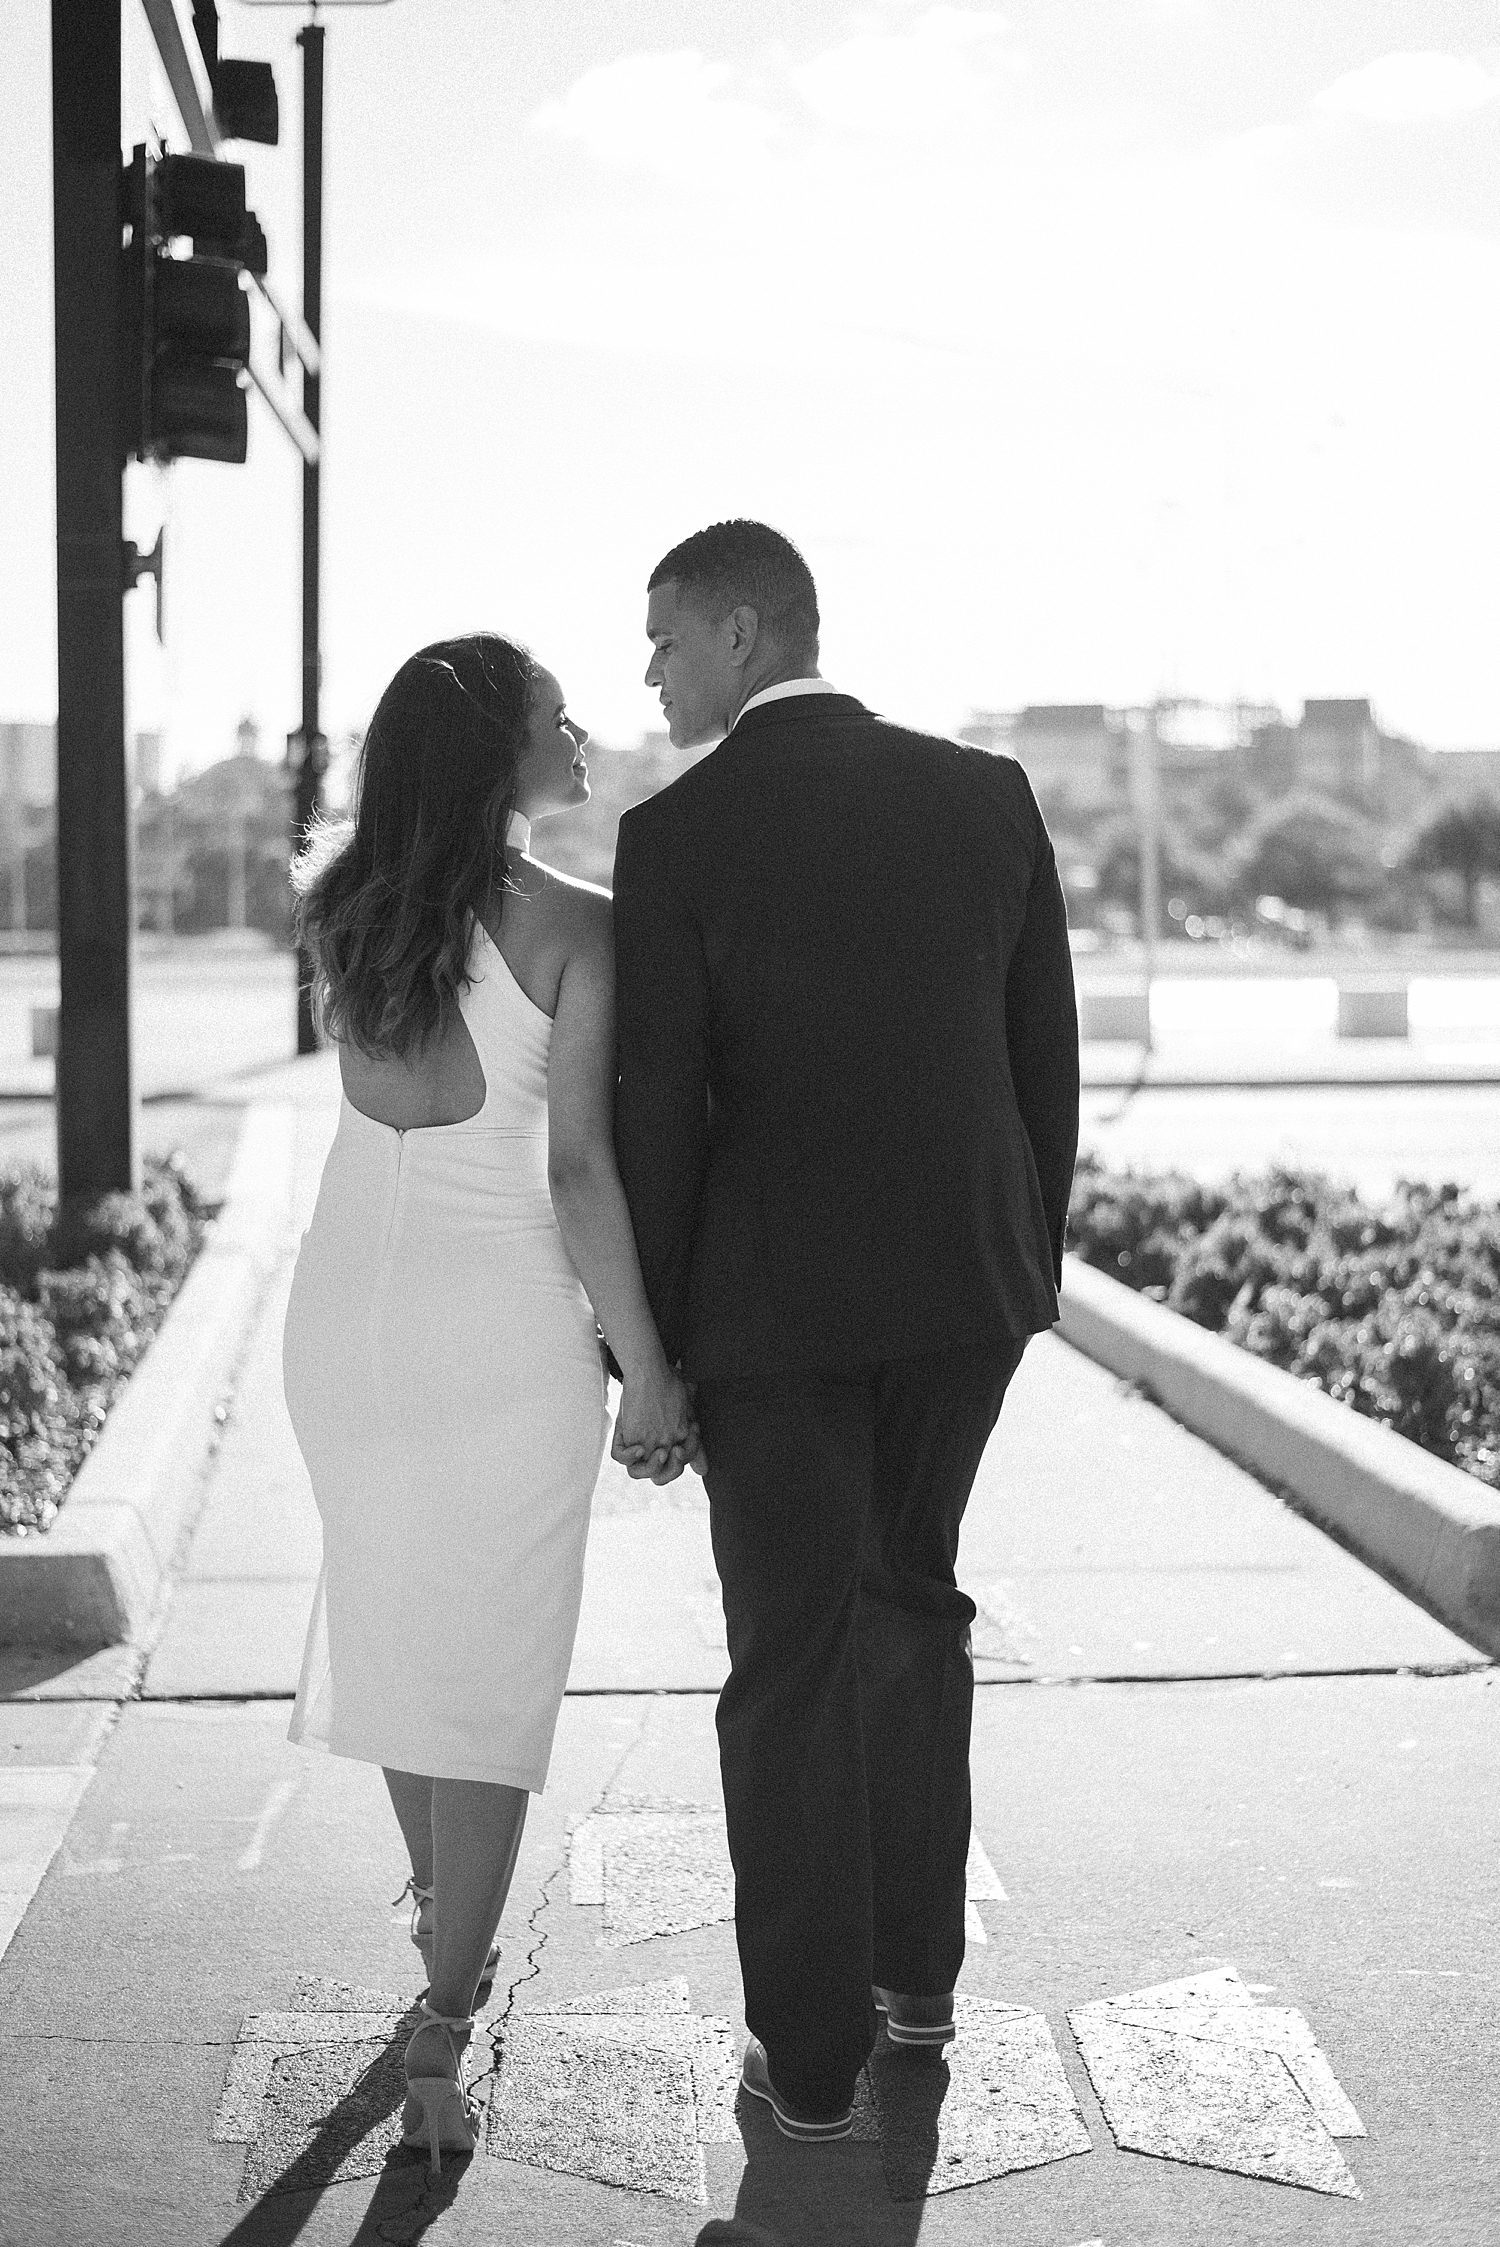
[1392, 1309]
[28, 1207]
[82, 1290]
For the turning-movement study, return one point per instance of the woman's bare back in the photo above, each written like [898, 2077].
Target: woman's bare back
[534, 927]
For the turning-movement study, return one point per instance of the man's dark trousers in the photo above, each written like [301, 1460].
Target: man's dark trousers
[836, 1501]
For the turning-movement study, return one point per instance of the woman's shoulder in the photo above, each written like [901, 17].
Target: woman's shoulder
[579, 914]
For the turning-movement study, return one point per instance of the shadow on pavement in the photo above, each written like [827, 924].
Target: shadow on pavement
[406, 2200]
[853, 2194]
[865, 2191]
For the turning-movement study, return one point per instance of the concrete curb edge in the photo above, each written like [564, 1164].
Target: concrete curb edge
[97, 1576]
[1427, 1527]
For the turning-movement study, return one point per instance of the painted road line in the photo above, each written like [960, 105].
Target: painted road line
[277, 1802]
[37, 1803]
[1002, 2103]
[981, 1885]
[981, 1881]
[1196, 2071]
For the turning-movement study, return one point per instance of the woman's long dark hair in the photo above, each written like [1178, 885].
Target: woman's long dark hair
[385, 902]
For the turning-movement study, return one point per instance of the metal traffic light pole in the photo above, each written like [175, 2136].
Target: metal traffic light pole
[307, 750]
[311, 754]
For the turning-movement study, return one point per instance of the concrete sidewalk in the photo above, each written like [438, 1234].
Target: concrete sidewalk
[1210, 1748]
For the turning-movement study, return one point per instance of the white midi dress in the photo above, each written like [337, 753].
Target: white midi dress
[443, 1376]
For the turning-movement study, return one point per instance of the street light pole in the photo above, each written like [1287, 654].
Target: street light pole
[95, 1098]
[308, 773]
[307, 751]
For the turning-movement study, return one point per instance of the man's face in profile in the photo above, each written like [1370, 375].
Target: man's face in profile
[690, 667]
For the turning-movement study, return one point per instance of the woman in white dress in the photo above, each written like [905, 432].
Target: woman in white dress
[470, 1241]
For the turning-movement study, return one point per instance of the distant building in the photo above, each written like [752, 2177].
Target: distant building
[1338, 748]
[28, 763]
[1075, 754]
[214, 853]
[582, 842]
[28, 791]
[147, 763]
[1198, 741]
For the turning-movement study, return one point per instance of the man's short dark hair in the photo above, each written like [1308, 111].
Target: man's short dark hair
[745, 562]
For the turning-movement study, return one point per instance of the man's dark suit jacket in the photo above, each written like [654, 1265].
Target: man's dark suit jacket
[848, 1046]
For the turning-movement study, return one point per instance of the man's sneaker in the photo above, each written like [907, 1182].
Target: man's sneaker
[755, 2077]
[916, 2020]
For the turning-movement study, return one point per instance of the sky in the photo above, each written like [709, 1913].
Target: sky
[1090, 349]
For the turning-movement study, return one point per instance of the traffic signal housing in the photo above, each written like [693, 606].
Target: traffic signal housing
[186, 340]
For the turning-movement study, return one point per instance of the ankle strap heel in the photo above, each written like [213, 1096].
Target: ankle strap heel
[422, 1937]
[439, 2111]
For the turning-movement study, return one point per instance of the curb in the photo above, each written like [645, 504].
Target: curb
[1428, 1528]
[96, 1577]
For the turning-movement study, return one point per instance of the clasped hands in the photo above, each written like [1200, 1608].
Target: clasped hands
[656, 1428]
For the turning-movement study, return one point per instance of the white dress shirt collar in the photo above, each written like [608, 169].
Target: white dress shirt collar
[785, 687]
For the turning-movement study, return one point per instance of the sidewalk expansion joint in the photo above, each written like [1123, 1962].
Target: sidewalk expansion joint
[136, 2043]
[269, 1695]
[1477, 1667]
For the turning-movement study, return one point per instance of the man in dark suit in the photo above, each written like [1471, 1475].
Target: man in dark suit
[847, 1118]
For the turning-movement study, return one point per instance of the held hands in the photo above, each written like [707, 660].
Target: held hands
[656, 1432]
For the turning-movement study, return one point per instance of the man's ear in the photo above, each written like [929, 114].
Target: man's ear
[742, 629]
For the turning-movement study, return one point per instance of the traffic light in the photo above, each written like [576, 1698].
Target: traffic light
[186, 342]
[245, 106]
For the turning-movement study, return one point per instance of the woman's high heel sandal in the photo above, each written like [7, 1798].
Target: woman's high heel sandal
[422, 1936]
[439, 2112]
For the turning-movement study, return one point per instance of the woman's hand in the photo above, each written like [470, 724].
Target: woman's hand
[656, 1430]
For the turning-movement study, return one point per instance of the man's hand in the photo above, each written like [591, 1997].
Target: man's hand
[656, 1430]
[660, 1466]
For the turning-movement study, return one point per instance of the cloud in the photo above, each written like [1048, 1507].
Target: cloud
[666, 111]
[945, 69]
[1398, 89]
[943, 73]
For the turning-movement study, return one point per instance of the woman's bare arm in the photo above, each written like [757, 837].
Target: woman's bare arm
[587, 1196]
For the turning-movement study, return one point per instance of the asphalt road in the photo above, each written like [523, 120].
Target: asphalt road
[213, 1014]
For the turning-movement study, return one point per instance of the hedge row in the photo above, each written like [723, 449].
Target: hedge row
[1393, 1308]
[83, 1287]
